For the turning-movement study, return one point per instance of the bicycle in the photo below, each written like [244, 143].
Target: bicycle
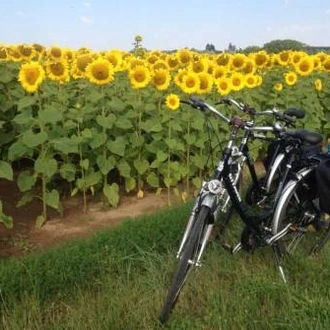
[214, 196]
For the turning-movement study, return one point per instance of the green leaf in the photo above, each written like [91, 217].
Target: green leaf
[17, 150]
[46, 166]
[105, 164]
[124, 123]
[6, 170]
[25, 181]
[141, 165]
[40, 221]
[153, 180]
[124, 168]
[65, 145]
[97, 140]
[52, 199]
[111, 192]
[24, 118]
[32, 140]
[117, 146]
[68, 172]
[84, 163]
[90, 180]
[130, 184]
[5, 219]
[161, 156]
[152, 125]
[106, 121]
[50, 115]
[26, 101]
[25, 199]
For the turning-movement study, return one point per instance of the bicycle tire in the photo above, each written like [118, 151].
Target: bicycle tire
[184, 266]
[300, 206]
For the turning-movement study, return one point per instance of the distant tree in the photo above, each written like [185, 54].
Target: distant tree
[276, 46]
[210, 48]
[251, 49]
[231, 48]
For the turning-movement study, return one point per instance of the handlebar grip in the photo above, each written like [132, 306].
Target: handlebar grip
[293, 112]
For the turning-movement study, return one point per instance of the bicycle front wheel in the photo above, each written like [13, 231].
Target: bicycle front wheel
[300, 207]
[187, 260]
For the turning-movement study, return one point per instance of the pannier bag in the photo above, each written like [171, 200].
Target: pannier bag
[323, 182]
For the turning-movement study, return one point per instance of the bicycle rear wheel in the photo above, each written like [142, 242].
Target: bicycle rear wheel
[186, 262]
[300, 207]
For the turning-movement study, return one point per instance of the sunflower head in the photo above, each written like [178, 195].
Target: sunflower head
[172, 101]
[190, 82]
[205, 83]
[100, 71]
[305, 66]
[31, 76]
[318, 84]
[140, 76]
[278, 86]
[223, 85]
[237, 81]
[58, 71]
[184, 56]
[290, 78]
[161, 78]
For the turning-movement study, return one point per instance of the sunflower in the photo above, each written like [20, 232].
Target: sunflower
[178, 78]
[79, 65]
[115, 57]
[160, 64]
[198, 66]
[58, 71]
[31, 76]
[219, 71]
[172, 62]
[278, 86]
[237, 81]
[172, 101]
[161, 79]
[222, 59]
[27, 52]
[326, 64]
[290, 78]
[100, 71]
[223, 85]
[205, 83]
[14, 54]
[249, 67]
[184, 56]
[260, 58]
[134, 62]
[237, 61]
[251, 80]
[55, 53]
[140, 76]
[283, 58]
[3, 53]
[190, 82]
[305, 66]
[318, 84]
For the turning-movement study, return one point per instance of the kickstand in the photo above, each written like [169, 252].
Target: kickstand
[278, 256]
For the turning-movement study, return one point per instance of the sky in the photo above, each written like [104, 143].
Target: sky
[163, 25]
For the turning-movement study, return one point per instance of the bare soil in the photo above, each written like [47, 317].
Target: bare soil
[25, 238]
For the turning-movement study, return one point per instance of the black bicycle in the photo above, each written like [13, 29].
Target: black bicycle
[216, 194]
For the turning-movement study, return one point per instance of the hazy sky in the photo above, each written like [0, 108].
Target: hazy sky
[165, 24]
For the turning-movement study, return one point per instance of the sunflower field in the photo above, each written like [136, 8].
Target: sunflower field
[80, 122]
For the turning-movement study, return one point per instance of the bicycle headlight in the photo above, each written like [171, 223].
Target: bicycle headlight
[214, 186]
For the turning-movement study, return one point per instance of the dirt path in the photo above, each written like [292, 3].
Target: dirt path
[25, 238]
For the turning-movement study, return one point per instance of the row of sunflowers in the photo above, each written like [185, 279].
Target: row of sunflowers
[88, 121]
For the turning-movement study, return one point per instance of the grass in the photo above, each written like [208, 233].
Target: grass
[118, 280]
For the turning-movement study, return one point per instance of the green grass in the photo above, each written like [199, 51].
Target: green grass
[118, 280]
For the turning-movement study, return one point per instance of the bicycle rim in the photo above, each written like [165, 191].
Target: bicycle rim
[185, 264]
[308, 232]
